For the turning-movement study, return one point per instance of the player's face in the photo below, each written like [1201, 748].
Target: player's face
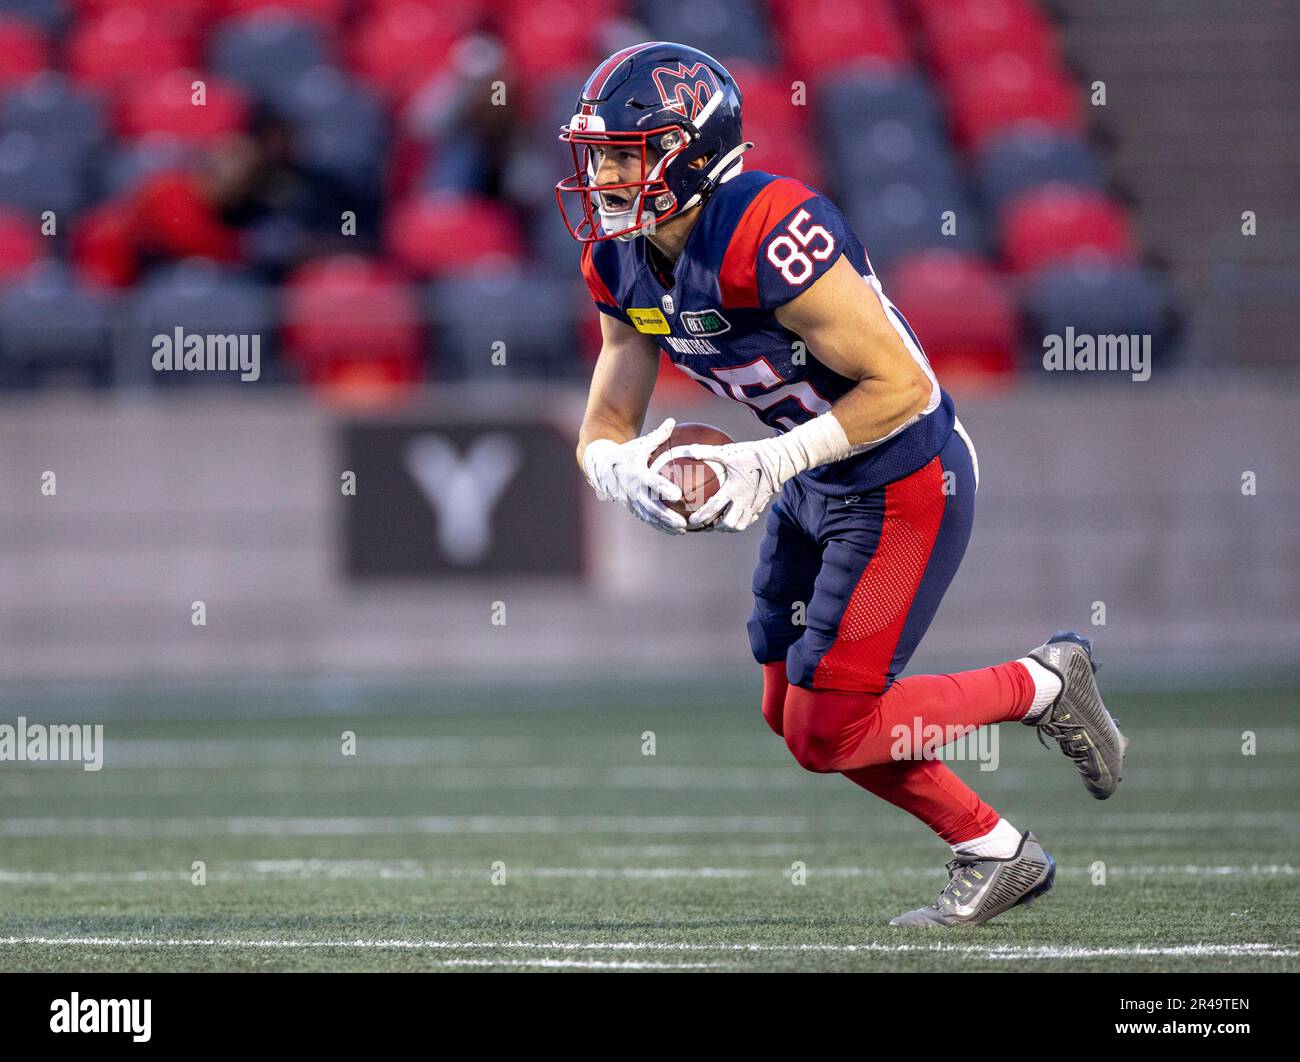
[620, 164]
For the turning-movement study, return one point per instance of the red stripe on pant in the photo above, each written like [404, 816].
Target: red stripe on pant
[877, 610]
[856, 734]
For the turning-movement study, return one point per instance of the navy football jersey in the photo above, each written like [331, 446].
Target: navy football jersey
[758, 242]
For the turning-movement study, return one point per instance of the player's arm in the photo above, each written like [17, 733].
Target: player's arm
[612, 453]
[845, 327]
[621, 385]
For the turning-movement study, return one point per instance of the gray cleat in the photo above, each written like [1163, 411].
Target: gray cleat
[1077, 719]
[980, 888]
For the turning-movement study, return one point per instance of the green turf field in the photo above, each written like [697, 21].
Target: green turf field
[617, 860]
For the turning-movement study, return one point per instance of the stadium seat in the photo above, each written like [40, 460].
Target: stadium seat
[962, 311]
[49, 107]
[349, 320]
[103, 246]
[726, 29]
[870, 91]
[545, 38]
[22, 50]
[1059, 222]
[884, 150]
[992, 97]
[895, 219]
[269, 50]
[201, 298]
[340, 127]
[52, 327]
[165, 105]
[397, 49]
[1031, 156]
[443, 235]
[781, 129]
[538, 336]
[129, 165]
[109, 49]
[40, 176]
[183, 16]
[48, 15]
[820, 37]
[1097, 299]
[328, 12]
[21, 244]
[960, 34]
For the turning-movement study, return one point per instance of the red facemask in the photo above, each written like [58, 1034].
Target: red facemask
[645, 194]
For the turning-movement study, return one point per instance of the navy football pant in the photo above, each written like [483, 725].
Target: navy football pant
[844, 590]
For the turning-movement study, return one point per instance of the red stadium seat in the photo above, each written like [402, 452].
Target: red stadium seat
[821, 36]
[1058, 223]
[400, 47]
[780, 128]
[993, 96]
[547, 36]
[22, 50]
[962, 311]
[124, 43]
[974, 31]
[449, 234]
[769, 98]
[164, 104]
[351, 325]
[185, 16]
[21, 244]
[103, 246]
[327, 12]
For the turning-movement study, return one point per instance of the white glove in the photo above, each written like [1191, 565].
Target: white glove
[754, 471]
[621, 472]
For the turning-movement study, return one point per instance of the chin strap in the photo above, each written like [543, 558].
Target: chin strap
[723, 170]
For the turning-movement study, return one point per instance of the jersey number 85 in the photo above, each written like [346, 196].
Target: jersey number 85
[790, 257]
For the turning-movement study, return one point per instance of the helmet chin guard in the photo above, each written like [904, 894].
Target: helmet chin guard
[667, 98]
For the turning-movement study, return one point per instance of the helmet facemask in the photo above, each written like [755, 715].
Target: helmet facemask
[650, 199]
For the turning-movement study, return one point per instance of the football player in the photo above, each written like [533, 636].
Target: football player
[755, 287]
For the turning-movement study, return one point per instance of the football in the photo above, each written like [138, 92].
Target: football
[699, 480]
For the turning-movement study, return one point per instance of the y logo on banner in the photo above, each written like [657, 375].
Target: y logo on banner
[463, 491]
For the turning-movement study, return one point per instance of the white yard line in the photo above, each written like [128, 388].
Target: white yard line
[369, 825]
[990, 951]
[235, 871]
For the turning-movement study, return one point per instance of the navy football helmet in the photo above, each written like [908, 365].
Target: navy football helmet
[678, 102]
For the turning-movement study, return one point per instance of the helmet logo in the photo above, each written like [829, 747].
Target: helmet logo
[685, 90]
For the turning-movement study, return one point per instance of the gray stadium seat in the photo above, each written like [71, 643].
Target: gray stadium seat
[725, 29]
[532, 314]
[1099, 299]
[268, 51]
[52, 109]
[844, 100]
[899, 217]
[51, 325]
[1030, 157]
[40, 176]
[201, 298]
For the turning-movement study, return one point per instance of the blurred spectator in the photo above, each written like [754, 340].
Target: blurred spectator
[460, 116]
[252, 202]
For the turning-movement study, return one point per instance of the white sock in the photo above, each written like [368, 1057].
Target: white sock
[1001, 842]
[1047, 686]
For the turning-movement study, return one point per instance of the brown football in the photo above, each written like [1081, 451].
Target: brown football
[698, 481]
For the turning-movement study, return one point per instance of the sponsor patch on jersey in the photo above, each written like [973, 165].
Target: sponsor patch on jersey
[705, 322]
[650, 320]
